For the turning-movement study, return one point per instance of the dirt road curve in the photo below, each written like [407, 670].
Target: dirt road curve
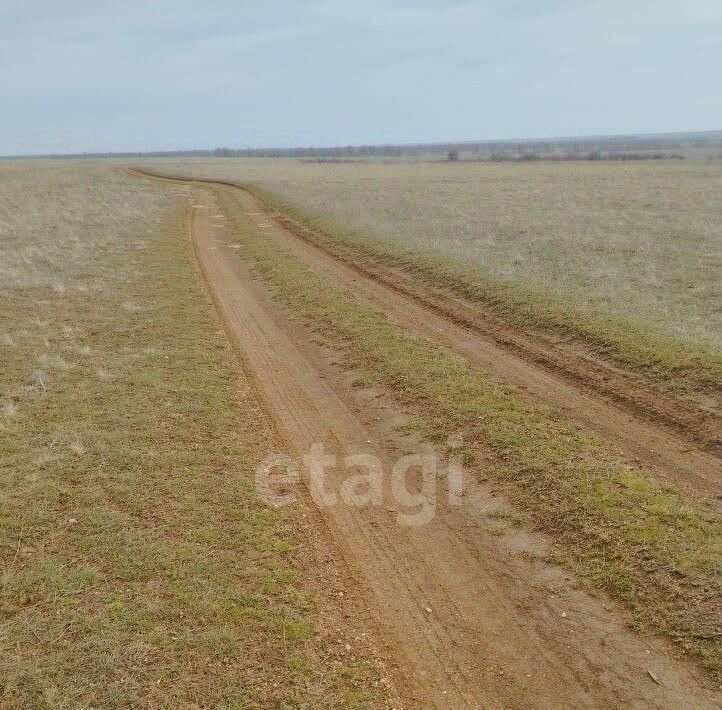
[469, 621]
[671, 458]
[675, 440]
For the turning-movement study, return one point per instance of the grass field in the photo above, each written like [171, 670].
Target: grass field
[137, 566]
[654, 550]
[635, 241]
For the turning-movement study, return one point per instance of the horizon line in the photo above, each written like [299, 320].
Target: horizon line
[439, 145]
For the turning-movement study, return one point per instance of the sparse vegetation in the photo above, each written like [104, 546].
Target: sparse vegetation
[613, 525]
[137, 566]
[633, 243]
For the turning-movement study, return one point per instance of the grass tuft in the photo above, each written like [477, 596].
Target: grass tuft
[137, 565]
[611, 523]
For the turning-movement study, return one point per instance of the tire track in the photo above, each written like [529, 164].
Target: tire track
[672, 459]
[666, 436]
[469, 623]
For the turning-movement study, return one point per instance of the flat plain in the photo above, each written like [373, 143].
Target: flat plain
[638, 241]
[160, 336]
[138, 566]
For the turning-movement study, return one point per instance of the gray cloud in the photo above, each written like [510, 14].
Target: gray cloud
[105, 75]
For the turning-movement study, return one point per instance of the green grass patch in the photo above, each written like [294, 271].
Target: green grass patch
[611, 523]
[672, 364]
[137, 565]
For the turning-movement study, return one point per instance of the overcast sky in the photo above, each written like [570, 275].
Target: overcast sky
[101, 75]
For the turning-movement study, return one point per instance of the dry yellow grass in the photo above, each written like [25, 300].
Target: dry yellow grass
[635, 241]
[613, 524]
[137, 566]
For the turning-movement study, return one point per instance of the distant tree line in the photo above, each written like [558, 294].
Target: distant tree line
[632, 147]
[594, 155]
[594, 148]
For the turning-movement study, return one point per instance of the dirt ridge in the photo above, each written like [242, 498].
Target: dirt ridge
[470, 623]
[688, 421]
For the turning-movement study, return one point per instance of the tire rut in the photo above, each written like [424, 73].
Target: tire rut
[469, 622]
[671, 457]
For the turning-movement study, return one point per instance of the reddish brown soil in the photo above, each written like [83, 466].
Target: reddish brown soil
[525, 362]
[470, 612]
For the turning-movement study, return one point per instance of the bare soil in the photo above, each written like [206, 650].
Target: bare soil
[678, 437]
[472, 615]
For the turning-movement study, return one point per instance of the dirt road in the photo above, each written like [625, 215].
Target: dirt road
[673, 458]
[674, 439]
[469, 617]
